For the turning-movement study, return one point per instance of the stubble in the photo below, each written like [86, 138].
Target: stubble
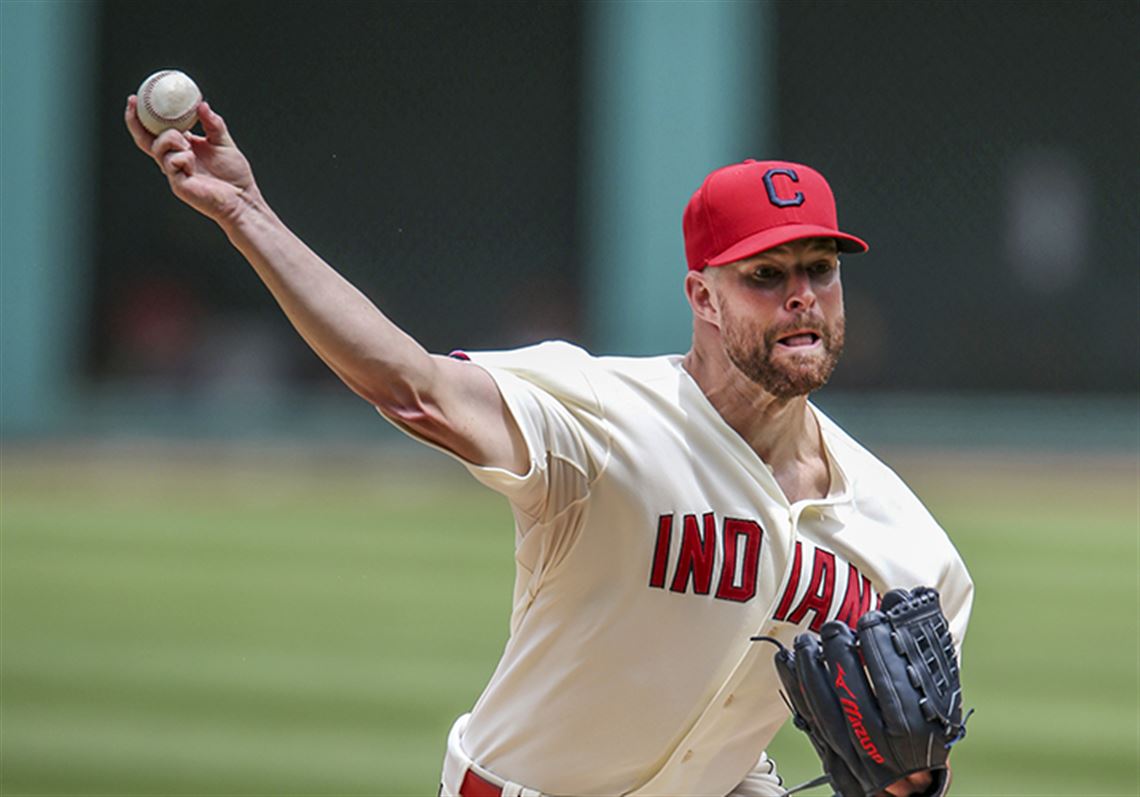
[792, 374]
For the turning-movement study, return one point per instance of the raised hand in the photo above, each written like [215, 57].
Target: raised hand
[208, 173]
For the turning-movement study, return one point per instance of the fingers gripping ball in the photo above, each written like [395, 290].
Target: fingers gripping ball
[882, 703]
[168, 99]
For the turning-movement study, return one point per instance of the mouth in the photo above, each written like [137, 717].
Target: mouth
[799, 339]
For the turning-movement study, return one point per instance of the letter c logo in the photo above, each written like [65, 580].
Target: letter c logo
[775, 198]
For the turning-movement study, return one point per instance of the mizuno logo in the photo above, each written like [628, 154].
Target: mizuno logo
[855, 717]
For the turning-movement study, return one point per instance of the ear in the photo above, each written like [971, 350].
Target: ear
[702, 297]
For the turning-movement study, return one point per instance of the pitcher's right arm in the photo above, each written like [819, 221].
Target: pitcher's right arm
[453, 404]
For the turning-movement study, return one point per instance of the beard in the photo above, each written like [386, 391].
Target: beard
[795, 374]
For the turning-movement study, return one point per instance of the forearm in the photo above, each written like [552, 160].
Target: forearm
[456, 407]
[373, 356]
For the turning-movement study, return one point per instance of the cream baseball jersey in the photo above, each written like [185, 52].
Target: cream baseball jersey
[651, 543]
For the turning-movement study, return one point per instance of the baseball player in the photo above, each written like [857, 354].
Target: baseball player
[666, 508]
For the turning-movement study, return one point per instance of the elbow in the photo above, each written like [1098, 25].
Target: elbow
[393, 395]
[407, 409]
[413, 416]
[405, 399]
[399, 404]
[423, 421]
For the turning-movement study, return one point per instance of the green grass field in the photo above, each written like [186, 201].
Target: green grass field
[285, 622]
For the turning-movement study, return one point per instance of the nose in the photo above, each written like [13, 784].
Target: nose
[800, 294]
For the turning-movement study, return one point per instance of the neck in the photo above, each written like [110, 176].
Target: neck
[783, 432]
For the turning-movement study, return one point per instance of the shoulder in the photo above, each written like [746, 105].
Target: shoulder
[558, 354]
[544, 355]
[569, 371]
[884, 498]
[871, 479]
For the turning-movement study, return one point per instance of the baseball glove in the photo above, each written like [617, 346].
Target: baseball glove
[882, 703]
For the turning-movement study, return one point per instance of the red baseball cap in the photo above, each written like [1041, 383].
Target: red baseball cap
[747, 208]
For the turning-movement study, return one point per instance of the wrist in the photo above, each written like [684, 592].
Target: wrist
[249, 215]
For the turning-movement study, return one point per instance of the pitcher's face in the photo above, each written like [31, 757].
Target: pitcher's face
[782, 321]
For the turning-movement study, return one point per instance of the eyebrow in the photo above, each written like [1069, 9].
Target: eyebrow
[814, 251]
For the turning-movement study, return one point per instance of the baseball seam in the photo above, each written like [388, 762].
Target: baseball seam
[148, 90]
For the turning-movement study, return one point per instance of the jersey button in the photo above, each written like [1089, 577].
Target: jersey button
[688, 755]
[728, 701]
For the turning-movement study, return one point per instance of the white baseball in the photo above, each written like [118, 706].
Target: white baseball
[167, 99]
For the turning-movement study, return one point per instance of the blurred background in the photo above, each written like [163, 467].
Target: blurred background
[215, 558]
